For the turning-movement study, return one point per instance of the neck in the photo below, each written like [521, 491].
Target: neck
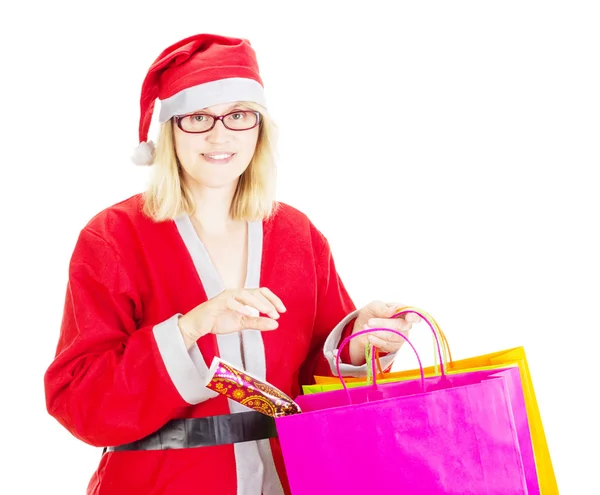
[213, 206]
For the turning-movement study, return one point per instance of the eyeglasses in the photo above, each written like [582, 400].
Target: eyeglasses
[239, 120]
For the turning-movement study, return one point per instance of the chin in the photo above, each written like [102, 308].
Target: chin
[215, 178]
[218, 182]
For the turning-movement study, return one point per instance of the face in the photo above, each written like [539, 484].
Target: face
[216, 158]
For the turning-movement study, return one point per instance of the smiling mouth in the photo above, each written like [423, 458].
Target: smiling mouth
[217, 157]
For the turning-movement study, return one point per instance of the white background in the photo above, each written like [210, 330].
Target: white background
[448, 150]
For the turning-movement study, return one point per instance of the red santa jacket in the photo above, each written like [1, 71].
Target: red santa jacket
[121, 369]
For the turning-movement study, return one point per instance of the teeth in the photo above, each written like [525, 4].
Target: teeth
[219, 157]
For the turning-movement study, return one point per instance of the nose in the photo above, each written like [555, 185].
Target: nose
[219, 133]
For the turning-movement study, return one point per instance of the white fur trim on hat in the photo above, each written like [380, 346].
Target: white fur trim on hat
[144, 153]
[205, 95]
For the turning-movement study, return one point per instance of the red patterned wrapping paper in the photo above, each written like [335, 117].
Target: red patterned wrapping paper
[250, 391]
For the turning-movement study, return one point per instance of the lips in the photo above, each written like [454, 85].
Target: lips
[218, 157]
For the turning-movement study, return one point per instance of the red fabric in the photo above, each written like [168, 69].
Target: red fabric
[108, 385]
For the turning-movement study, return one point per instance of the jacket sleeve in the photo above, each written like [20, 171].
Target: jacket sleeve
[111, 382]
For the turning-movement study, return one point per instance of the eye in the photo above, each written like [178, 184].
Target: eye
[238, 115]
[198, 118]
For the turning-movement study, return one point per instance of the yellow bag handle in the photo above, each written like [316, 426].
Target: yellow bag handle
[446, 354]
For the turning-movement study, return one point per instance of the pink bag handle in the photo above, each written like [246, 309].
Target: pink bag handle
[371, 330]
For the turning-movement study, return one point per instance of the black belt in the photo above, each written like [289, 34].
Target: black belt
[206, 432]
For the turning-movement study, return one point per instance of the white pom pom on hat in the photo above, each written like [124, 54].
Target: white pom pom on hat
[144, 153]
[195, 73]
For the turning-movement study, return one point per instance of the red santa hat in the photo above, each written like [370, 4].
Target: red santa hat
[195, 73]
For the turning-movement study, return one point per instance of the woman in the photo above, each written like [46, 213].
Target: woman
[204, 264]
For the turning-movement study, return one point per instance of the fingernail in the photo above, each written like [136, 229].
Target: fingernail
[252, 311]
[372, 321]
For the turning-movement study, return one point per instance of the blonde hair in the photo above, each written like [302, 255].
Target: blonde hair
[167, 196]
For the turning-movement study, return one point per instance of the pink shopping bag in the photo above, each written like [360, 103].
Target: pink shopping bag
[511, 375]
[442, 435]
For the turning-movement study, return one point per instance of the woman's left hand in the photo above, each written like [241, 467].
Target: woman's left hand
[378, 314]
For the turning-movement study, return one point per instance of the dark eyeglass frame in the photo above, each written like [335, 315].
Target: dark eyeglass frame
[216, 118]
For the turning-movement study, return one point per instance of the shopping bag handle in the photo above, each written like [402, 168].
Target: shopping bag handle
[371, 330]
[409, 309]
[436, 329]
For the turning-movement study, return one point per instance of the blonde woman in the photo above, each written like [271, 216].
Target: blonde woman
[205, 263]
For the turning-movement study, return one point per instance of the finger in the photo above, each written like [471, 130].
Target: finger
[233, 304]
[258, 301]
[361, 338]
[273, 299]
[395, 307]
[269, 307]
[399, 324]
[250, 318]
[384, 345]
[379, 309]
[411, 317]
[258, 323]
[388, 341]
[390, 337]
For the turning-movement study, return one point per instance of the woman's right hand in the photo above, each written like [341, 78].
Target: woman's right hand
[228, 312]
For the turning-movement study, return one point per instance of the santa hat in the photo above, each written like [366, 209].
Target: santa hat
[195, 73]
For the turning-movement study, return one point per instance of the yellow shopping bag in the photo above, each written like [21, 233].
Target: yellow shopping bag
[546, 476]
[509, 357]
